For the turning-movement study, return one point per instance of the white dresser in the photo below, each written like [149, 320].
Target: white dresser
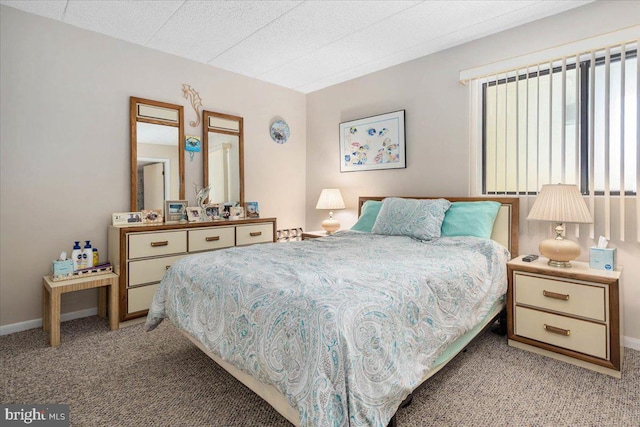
[142, 254]
[570, 314]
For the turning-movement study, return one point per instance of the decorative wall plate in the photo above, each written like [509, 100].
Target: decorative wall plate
[280, 131]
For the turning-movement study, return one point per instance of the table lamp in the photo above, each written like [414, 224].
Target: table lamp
[560, 203]
[330, 198]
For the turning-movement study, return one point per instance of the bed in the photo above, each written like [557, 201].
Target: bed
[341, 330]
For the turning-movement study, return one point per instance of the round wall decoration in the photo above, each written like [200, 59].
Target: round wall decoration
[280, 131]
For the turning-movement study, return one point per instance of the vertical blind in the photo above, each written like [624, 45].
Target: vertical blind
[570, 120]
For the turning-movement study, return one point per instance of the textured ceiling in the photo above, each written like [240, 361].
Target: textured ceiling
[303, 45]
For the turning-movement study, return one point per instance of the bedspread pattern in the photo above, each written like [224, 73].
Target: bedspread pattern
[344, 326]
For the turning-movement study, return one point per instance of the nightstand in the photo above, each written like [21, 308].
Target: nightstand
[53, 290]
[306, 235]
[569, 314]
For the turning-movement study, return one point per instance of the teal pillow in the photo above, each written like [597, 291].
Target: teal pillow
[470, 219]
[370, 210]
[420, 219]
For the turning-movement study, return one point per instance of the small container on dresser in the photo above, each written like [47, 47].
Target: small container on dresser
[142, 254]
[569, 314]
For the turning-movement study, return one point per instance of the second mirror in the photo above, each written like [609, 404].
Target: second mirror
[223, 157]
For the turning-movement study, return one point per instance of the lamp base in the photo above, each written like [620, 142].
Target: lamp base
[330, 225]
[559, 252]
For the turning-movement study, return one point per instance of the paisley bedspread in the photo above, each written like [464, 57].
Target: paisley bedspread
[344, 326]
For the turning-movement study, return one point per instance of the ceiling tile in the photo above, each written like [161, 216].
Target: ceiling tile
[424, 29]
[303, 45]
[304, 29]
[202, 30]
[135, 21]
[49, 9]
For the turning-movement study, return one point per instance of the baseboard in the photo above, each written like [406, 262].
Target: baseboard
[37, 323]
[632, 343]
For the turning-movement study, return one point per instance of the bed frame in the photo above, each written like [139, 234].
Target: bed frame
[505, 232]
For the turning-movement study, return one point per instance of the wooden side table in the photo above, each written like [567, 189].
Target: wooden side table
[51, 292]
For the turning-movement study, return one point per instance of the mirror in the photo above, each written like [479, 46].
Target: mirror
[157, 153]
[223, 157]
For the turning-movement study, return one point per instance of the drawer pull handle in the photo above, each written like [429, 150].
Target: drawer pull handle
[255, 233]
[559, 331]
[156, 244]
[554, 295]
[212, 238]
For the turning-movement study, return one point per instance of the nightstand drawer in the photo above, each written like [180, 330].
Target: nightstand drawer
[572, 334]
[576, 299]
[250, 234]
[211, 238]
[153, 244]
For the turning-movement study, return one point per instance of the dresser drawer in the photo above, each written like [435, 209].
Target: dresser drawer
[576, 299]
[250, 234]
[149, 270]
[211, 238]
[153, 244]
[140, 298]
[582, 336]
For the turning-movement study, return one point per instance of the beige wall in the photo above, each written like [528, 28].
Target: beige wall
[437, 126]
[64, 138]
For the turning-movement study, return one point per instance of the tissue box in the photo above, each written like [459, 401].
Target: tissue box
[602, 258]
[61, 268]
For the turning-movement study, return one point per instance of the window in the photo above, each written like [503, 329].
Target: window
[549, 124]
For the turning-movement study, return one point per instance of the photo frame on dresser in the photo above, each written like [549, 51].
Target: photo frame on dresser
[212, 211]
[126, 218]
[174, 209]
[251, 210]
[373, 143]
[236, 212]
[152, 216]
[194, 213]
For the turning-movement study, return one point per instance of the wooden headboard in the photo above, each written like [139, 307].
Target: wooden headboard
[505, 228]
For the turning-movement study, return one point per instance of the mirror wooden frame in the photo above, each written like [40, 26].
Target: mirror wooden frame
[205, 145]
[134, 119]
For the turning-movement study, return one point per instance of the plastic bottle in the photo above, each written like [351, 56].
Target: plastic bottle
[76, 256]
[96, 257]
[87, 255]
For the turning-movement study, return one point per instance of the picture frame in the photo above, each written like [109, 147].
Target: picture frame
[225, 211]
[251, 210]
[152, 216]
[174, 209]
[212, 211]
[236, 212]
[373, 143]
[126, 218]
[194, 213]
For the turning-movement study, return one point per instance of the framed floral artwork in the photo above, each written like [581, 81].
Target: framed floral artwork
[373, 143]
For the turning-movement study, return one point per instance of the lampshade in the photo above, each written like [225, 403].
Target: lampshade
[331, 199]
[560, 203]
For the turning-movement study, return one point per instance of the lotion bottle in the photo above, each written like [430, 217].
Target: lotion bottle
[76, 256]
[87, 255]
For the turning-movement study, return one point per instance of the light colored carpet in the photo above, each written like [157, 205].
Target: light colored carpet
[133, 378]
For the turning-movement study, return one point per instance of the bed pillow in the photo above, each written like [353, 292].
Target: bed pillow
[420, 219]
[370, 210]
[470, 219]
